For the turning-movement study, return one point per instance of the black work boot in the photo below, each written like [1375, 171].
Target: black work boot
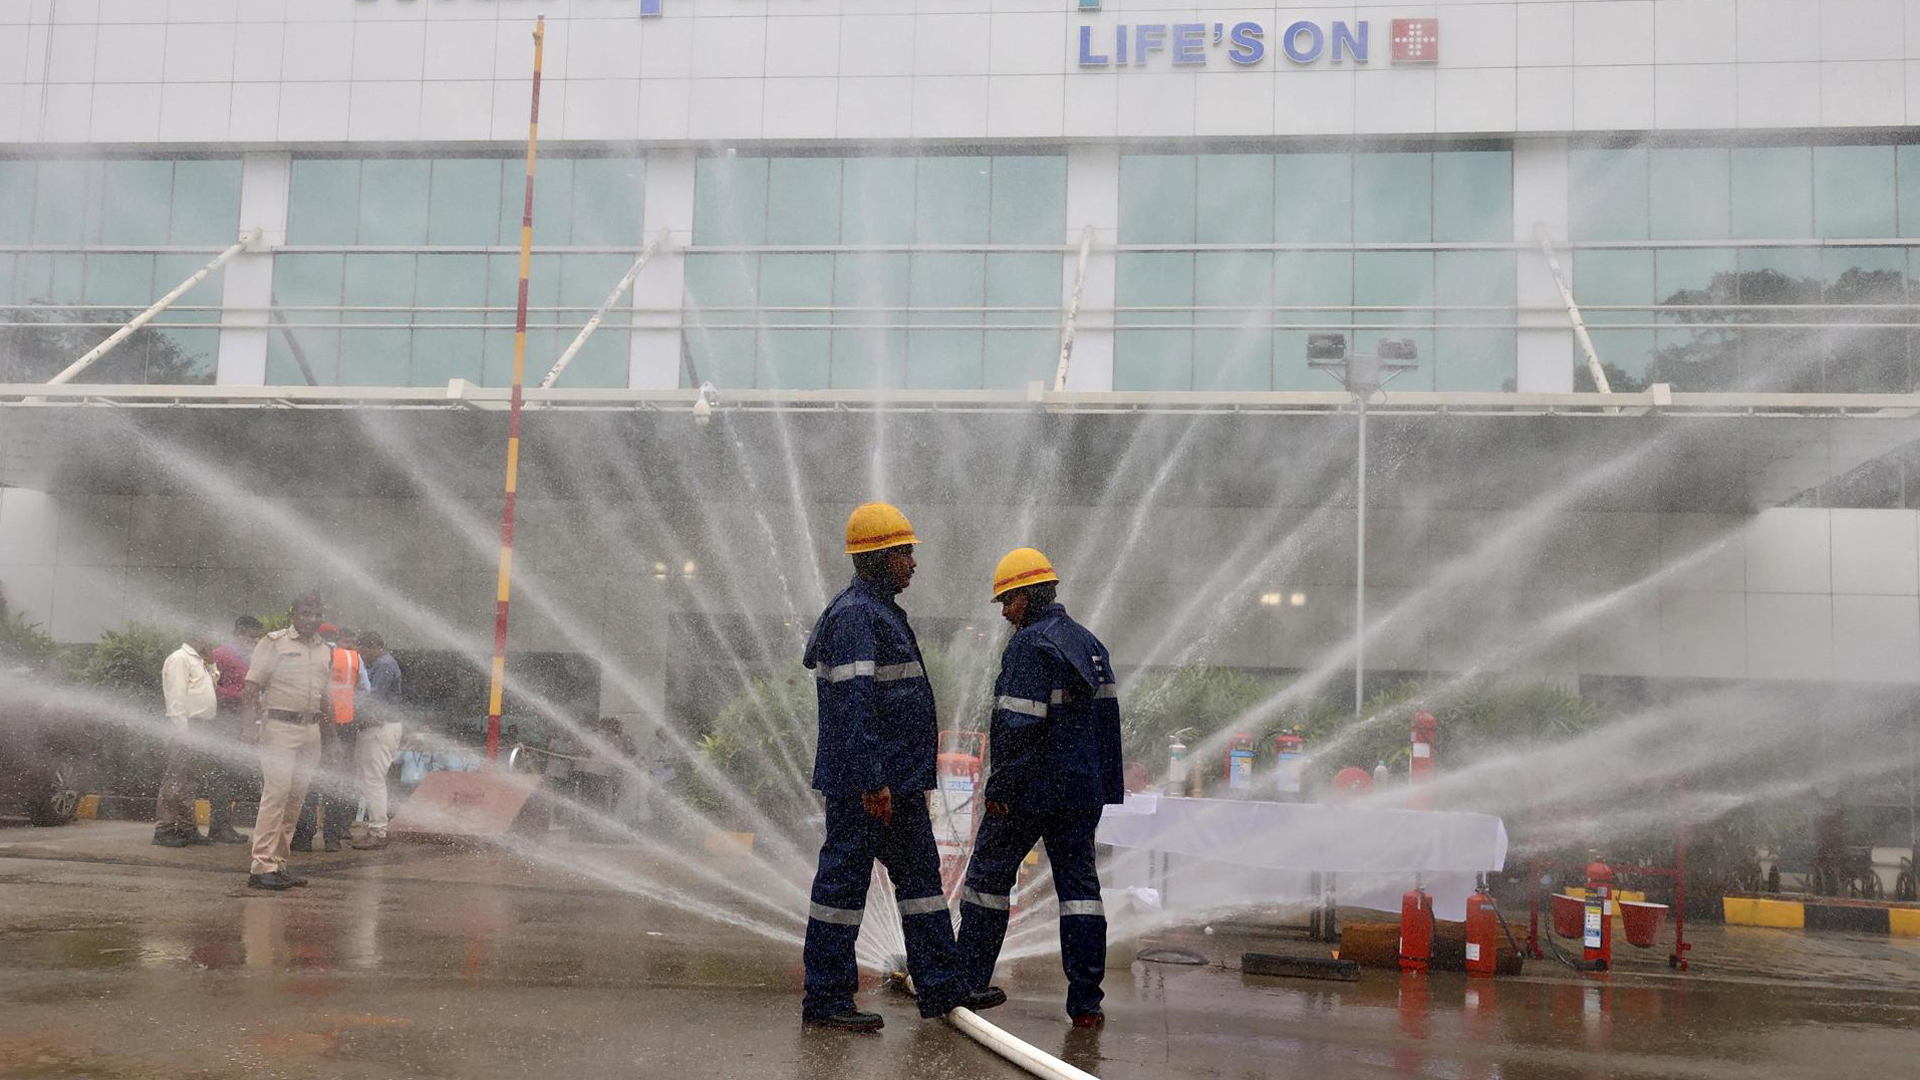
[989, 998]
[171, 838]
[274, 881]
[849, 1019]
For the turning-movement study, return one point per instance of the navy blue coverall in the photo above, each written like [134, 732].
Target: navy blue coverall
[1055, 744]
[877, 730]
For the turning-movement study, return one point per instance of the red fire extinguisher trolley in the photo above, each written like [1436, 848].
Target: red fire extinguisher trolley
[1420, 768]
[1597, 932]
[1416, 930]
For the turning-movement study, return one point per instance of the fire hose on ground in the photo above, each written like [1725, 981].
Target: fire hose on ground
[1021, 1053]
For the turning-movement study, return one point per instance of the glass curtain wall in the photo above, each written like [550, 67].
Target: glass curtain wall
[405, 271]
[1356, 242]
[109, 237]
[875, 271]
[1809, 241]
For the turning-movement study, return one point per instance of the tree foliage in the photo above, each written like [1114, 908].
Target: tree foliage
[41, 350]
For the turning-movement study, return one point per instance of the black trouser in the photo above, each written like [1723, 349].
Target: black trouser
[233, 774]
[336, 783]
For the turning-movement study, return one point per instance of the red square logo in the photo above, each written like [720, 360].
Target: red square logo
[1416, 41]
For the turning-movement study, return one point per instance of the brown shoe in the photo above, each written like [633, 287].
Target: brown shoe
[370, 842]
[1090, 1020]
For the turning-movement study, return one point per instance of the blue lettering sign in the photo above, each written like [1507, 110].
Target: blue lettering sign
[1189, 43]
[1316, 40]
[1089, 58]
[1344, 41]
[1148, 37]
[1247, 48]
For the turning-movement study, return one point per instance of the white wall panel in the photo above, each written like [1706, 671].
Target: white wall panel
[1612, 98]
[1862, 29]
[1694, 31]
[1543, 34]
[1779, 95]
[200, 52]
[1876, 639]
[803, 45]
[1028, 106]
[460, 50]
[195, 112]
[389, 51]
[1701, 96]
[1789, 636]
[1612, 32]
[1864, 92]
[1773, 30]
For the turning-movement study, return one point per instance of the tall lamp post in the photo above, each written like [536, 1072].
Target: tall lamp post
[1362, 375]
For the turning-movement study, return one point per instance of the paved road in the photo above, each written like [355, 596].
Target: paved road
[118, 959]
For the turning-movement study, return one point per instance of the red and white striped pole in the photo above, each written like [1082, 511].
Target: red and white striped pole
[499, 675]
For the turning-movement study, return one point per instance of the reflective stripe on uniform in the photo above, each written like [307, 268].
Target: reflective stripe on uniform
[1059, 697]
[923, 905]
[896, 672]
[1082, 907]
[985, 900]
[1027, 706]
[1107, 690]
[845, 671]
[834, 915]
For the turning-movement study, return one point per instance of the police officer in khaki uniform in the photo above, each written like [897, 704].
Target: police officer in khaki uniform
[285, 701]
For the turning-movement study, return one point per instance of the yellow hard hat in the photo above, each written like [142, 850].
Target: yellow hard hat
[1019, 568]
[876, 526]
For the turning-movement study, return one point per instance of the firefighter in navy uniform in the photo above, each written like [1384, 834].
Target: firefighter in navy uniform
[875, 764]
[1055, 741]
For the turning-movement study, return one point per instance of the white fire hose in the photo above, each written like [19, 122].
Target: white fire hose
[1024, 1054]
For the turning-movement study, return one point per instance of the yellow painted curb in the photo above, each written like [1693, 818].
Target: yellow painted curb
[202, 812]
[1903, 922]
[1749, 911]
[89, 808]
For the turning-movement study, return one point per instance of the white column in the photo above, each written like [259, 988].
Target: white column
[657, 293]
[1545, 339]
[264, 184]
[1093, 198]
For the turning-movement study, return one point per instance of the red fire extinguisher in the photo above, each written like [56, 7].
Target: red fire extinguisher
[1289, 760]
[1420, 768]
[1416, 930]
[1483, 932]
[1597, 933]
[956, 806]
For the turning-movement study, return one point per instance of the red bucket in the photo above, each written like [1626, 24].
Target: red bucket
[1643, 921]
[1569, 915]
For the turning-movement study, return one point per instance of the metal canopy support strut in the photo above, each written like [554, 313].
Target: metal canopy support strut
[1594, 369]
[246, 239]
[625, 283]
[1073, 310]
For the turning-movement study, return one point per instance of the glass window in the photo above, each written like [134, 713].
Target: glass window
[1029, 200]
[796, 358]
[947, 358]
[462, 205]
[604, 359]
[137, 199]
[67, 197]
[16, 201]
[1160, 358]
[803, 201]
[1607, 194]
[370, 357]
[1235, 196]
[1871, 360]
[393, 202]
[1616, 277]
[1693, 358]
[1398, 279]
[324, 206]
[1477, 358]
[876, 201]
[608, 199]
[1853, 189]
[1772, 192]
[449, 281]
[721, 292]
[1690, 194]
[1015, 357]
[1302, 279]
[1775, 280]
[206, 202]
[1907, 164]
[1236, 352]
[1473, 195]
[870, 289]
[1313, 198]
[730, 201]
[1392, 197]
[1157, 198]
[951, 200]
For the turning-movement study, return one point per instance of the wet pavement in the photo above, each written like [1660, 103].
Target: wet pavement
[118, 959]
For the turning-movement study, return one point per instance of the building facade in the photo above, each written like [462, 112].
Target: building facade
[928, 197]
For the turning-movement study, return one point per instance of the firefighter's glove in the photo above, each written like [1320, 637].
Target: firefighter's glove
[996, 809]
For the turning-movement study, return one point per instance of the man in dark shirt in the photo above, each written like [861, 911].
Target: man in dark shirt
[379, 722]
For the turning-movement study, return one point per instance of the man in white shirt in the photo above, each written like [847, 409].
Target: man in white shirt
[186, 681]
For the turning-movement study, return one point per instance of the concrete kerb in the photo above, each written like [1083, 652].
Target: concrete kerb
[1823, 913]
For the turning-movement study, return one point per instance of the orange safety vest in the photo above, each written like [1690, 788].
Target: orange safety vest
[345, 680]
